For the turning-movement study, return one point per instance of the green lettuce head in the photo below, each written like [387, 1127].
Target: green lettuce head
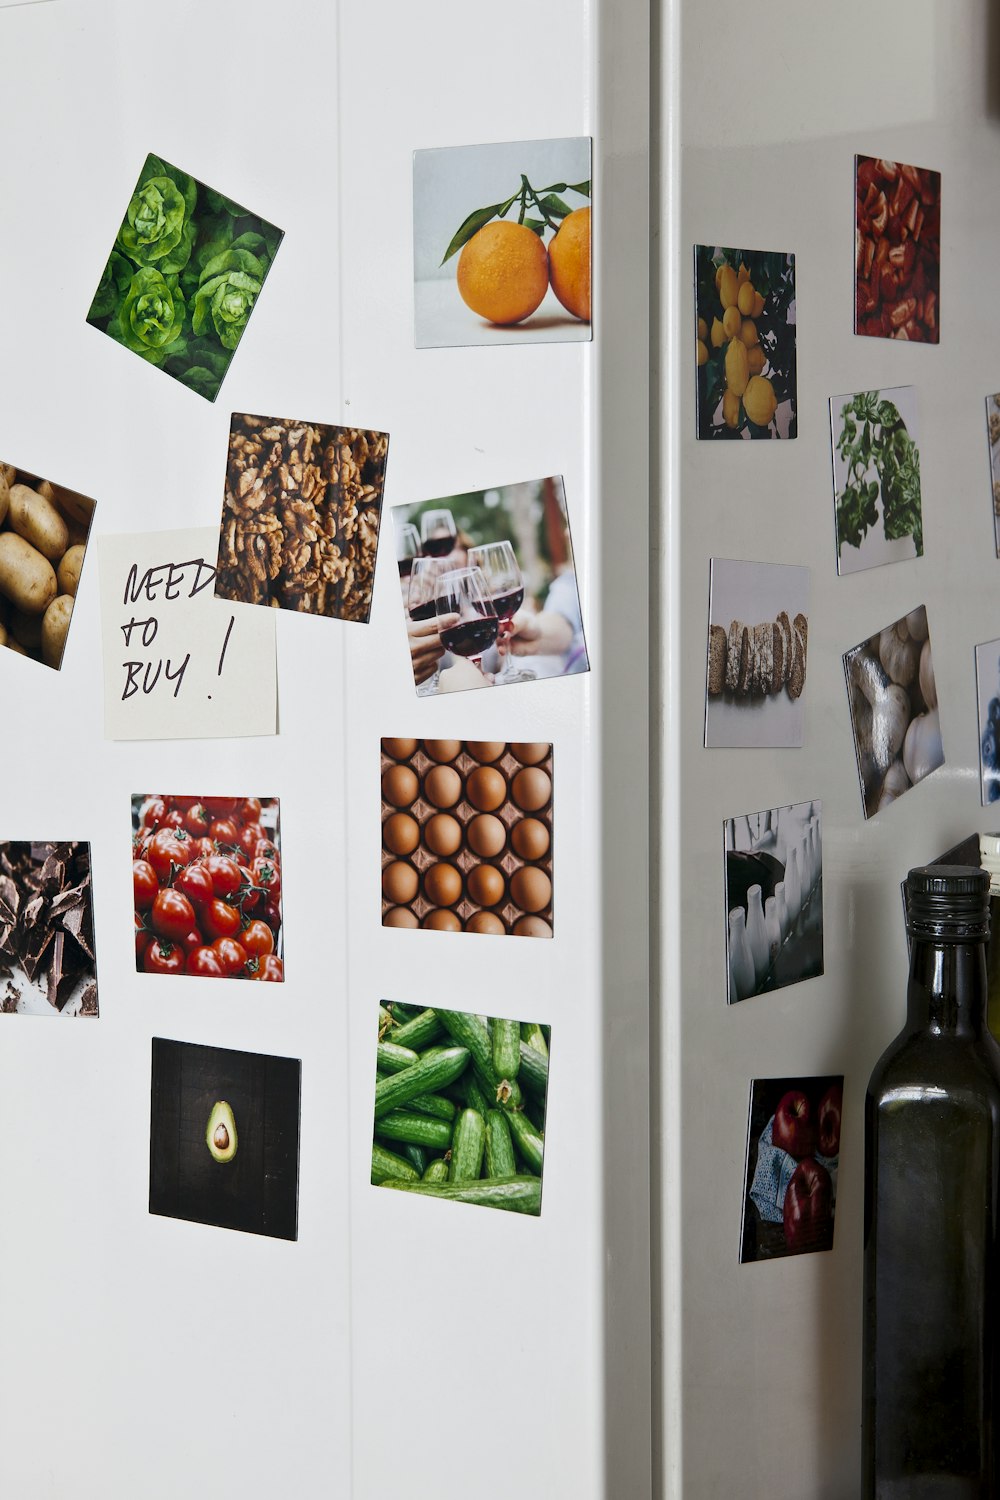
[151, 317]
[114, 281]
[228, 287]
[157, 229]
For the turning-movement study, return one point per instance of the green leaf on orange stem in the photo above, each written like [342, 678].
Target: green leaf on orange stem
[472, 225]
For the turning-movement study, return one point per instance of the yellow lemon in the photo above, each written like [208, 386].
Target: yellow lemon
[755, 359]
[702, 329]
[760, 401]
[728, 287]
[731, 321]
[737, 367]
[744, 274]
[702, 352]
[748, 332]
[758, 305]
[718, 274]
[718, 334]
[731, 409]
[745, 299]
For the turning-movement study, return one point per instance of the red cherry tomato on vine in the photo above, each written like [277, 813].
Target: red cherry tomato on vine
[196, 821]
[267, 872]
[154, 810]
[172, 915]
[224, 831]
[224, 873]
[272, 915]
[221, 807]
[249, 810]
[174, 819]
[143, 938]
[195, 882]
[250, 838]
[206, 962]
[231, 954]
[170, 846]
[219, 919]
[144, 884]
[252, 897]
[258, 939]
[163, 957]
[271, 969]
[203, 847]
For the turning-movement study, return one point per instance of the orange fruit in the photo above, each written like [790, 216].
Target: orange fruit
[569, 263]
[503, 272]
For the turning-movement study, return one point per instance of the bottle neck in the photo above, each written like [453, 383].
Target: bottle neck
[946, 994]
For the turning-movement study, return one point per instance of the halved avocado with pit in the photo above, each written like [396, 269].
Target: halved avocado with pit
[220, 1133]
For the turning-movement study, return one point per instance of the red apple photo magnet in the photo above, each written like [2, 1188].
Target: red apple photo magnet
[793, 1148]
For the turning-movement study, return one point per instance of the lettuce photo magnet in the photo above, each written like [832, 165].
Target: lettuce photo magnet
[185, 271]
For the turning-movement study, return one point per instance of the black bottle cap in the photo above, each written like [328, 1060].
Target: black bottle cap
[949, 903]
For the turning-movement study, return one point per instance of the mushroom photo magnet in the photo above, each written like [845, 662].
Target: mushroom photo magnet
[757, 649]
[876, 478]
[793, 1152]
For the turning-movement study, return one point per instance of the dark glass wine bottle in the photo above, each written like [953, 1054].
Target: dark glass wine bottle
[931, 1378]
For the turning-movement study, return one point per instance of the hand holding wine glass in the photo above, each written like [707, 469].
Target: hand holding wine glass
[505, 582]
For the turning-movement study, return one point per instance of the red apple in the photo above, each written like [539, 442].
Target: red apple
[794, 1129]
[828, 1116]
[808, 1208]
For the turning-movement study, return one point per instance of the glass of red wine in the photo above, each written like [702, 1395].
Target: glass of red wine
[437, 533]
[420, 601]
[505, 582]
[464, 592]
[407, 548]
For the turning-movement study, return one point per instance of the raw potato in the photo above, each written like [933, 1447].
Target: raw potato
[54, 627]
[34, 517]
[26, 577]
[3, 634]
[4, 496]
[68, 575]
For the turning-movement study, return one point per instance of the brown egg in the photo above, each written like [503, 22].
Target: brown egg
[399, 881]
[486, 835]
[485, 885]
[443, 834]
[400, 786]
[400, 833]
[485, 921]
[486, 751]
[399, 749]
[399, 916]
[532, 927]
[443, 750]
[486, 788]
[532, 789]
[442, 786]
[442, 884]
[530, 888]
[530, 838]
[441, 920]
[532, 754]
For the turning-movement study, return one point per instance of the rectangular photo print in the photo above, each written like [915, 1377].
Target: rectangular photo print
[488, 588]
[876, 478]
[757, 646]
[44, 530]
[774, 898]
[897, 237]
[894, 712]
[47, 961]
[224, 1138]
[467, 836]
[988, 700]
[300, 516]
[206, 884]
[793, 1152]
[993, 433]
[501, 243]
[184, 273]
[745, 309]
[460, 1106]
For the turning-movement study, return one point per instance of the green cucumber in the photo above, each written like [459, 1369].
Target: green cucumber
[467, 1146]
[409, 1151]
[400, 1013]
[419, 1130]
[475, 1094]
[386, 1164]
[529, 1143]
[470, 1031]
[393, 1059]
[424, 1077]
[437, 1170]
[420, 1032]
[506, 1037]
[534, 1036]
[534, 1072]
[385, 1022]
[499, 1150]
[433, 1104]
[521, 1195]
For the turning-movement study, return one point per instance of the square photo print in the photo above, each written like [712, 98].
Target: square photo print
[184, 273]
[894, 712]
[460, 1106]
[793, 1152]
[44, 529]
[774, 898]
[224, 1138]
[206, 884]
[488, 588]
[988, 700]
[745, 309]
[897, 238]
[876, 478]
[501, 243]
[467, 836]
[757, 646]
[47, 962]
[300, 516]
[993, 433]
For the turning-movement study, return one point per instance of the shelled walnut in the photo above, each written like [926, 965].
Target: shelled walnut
[301, 516]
